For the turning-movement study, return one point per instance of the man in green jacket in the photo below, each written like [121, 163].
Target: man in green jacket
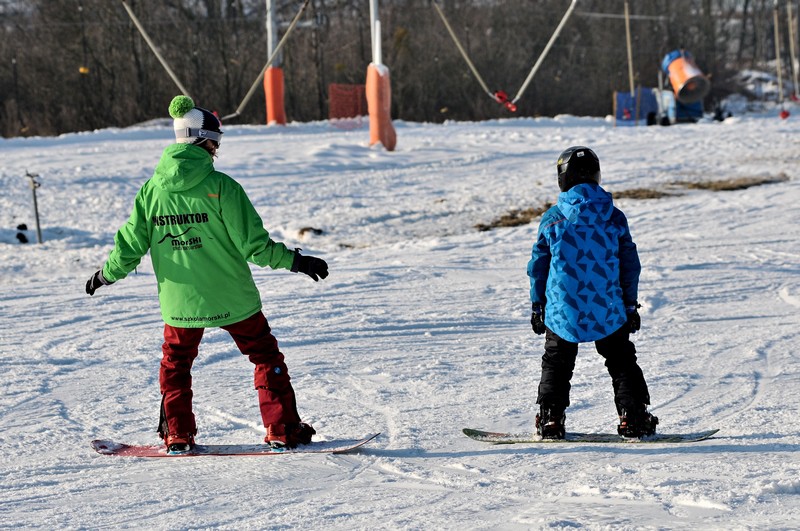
[202, 230]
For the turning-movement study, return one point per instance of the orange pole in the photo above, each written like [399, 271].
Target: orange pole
[273, 89]
[379, 104]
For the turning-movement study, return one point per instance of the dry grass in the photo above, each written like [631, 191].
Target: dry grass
[641, 193]
[515, 217]
[739, 183]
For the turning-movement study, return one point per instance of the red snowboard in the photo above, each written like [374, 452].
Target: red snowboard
[107, 447]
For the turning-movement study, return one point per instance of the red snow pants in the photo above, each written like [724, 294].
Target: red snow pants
[254, 339]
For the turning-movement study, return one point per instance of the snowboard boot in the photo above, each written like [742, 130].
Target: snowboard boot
[636, 423]
[179, 444]
[289, 435]
[550, 423]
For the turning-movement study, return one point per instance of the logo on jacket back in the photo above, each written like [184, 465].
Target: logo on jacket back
[181, 242]
[179, 219]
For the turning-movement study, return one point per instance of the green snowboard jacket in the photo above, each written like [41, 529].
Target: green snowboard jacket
[201, 230]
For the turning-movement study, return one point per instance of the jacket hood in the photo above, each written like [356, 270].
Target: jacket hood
[182, 167]
[586, 204]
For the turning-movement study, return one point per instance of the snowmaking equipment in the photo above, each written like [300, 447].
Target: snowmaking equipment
[688, 82]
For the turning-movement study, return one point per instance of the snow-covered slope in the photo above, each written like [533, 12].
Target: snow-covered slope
[420, 329]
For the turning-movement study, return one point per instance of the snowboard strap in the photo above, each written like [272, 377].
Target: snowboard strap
[163, 427]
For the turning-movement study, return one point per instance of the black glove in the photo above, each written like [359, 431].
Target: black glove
[312, 266]
[95, 282]
[634, 321]
[537, 319]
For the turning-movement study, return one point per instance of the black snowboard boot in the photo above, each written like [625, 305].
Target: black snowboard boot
[289, 435]
[636, 423]
[179, 444]
[550, 423]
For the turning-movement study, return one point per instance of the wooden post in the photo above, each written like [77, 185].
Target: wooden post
[630, 51]
[792, 54]
[778, 52]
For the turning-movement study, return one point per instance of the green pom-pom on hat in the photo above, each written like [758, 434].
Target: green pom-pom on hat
[180, 105]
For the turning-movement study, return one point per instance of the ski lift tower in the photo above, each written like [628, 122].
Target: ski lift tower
[378, 89]
[273, 76]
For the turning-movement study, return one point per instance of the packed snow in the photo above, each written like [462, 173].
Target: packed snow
[421, 329]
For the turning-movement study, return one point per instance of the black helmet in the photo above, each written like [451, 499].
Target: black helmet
[576, 165]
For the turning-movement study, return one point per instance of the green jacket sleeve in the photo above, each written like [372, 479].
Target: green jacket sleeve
[247, 231]
[131, 243]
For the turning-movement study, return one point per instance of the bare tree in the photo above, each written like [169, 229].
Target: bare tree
[71, 65]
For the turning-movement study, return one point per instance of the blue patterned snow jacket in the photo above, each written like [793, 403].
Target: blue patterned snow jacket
[584, 266]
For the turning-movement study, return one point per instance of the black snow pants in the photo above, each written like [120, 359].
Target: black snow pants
[558, 363]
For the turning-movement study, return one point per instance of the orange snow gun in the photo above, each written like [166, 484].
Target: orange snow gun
[689, 84]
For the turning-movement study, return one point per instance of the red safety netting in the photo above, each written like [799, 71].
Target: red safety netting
[347, 104]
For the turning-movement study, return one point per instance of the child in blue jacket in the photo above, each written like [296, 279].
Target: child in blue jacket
[584, 273]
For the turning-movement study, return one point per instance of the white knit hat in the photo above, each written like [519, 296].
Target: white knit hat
[193, 125]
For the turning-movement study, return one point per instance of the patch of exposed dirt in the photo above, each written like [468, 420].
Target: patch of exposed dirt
[641, 193]
[739, 183]
[310, 230]
[514, 218]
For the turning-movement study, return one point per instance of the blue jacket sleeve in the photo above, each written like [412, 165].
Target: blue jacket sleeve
[629, 265]
[539, 264]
